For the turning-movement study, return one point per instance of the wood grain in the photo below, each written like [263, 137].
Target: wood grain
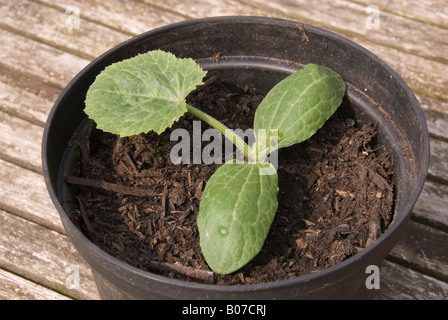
[89, 41]
[401, 283]
[25, 98]
[13, 287]
[129, 17]
[439, 156]
[43, 256]
[44, 63]
[431, 206]
[428, 12]
[350, 18]
[420, 249]
[20, 142]
[24, 193]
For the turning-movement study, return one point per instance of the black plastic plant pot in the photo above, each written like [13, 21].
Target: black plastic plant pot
[260, 52]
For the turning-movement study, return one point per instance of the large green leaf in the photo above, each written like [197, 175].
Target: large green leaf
[300, 104]
[143, 93]
[236, 211]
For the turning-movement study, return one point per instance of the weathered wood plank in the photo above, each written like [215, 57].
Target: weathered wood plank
[439, 159]
[24, 193]
[55, 28]
[431, 206]
[394, 31]
[210, 8]
[401, 283]
[437, 124]
[421, 247]
[24, 98]
[432, 12]
[425, 77]
[43, 62]
[13, 287]
[20, 143]
[432, 103]
[45, 257]
[114, 13]
[436, 114]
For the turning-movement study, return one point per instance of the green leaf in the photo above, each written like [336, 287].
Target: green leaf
[143, 93]
[236, 211]
[301, 103]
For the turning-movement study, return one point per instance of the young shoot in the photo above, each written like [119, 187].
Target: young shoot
[148, 93]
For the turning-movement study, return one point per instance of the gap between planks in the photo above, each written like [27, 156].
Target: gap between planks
[43, 256]
[349, 18]
[401, 283]
[431, 12]
[15, 287]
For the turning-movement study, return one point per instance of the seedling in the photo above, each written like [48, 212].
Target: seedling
[148, 93]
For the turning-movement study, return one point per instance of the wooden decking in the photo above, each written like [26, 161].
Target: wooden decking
[45, 43]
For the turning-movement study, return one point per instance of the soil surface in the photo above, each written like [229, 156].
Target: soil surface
[336, 195]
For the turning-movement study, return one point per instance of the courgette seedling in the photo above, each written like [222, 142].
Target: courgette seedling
[148, 93]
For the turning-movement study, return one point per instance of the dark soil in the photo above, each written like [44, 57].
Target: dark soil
[336, 196]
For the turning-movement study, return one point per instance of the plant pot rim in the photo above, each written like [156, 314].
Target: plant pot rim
[246, 287]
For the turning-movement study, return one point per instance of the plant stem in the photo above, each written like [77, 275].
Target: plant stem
[227, 132]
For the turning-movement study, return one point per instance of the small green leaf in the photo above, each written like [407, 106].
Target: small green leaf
[236, 211]
[143, 93]
[267, 141]
[301, 103]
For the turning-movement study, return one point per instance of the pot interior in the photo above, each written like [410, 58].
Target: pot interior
[263, 74]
